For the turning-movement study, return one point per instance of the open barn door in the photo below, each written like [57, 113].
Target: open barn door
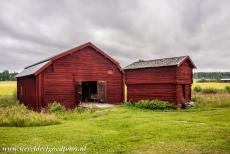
[101, 88]
[78, 92]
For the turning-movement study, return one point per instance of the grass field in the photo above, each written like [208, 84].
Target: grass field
[123, 129]
[211, 85]
[7, 87]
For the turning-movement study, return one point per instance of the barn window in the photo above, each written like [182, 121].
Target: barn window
[183, 91]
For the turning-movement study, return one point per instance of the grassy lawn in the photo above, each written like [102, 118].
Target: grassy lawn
[123, 129]
[211, 85]
[126, 130]
[7, 87]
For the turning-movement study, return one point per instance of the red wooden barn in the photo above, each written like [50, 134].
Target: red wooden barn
[167, 79]
[84, 73]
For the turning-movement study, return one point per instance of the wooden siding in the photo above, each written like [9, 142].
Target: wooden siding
[92, 66]
[164, 83]
[151, 75]
[26, 91]
[184, 73]
[179, 91]
[61, 77]
[165, 92]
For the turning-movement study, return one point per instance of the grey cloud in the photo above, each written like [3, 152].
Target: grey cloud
[128, 30]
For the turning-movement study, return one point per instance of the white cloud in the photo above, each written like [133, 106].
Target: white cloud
[31, 30]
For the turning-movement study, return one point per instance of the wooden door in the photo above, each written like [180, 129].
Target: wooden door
[78, 92]
[101, 89]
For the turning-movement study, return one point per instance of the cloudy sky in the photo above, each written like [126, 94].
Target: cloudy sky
[128, 30]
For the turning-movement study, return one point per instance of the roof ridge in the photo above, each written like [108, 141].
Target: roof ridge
[160, 59]
[161, 62]
[63, 51]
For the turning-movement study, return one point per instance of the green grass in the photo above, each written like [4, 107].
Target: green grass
[211, 85]
[124, 129]
[7, 87]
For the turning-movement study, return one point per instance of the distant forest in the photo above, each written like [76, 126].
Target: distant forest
[211, 75]
[7, 76]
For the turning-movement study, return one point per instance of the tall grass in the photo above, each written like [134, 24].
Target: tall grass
[14, 114]
[211, 101]
[20, 116]
[211, 90]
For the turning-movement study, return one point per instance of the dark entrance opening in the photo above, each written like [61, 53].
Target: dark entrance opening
[89, 91]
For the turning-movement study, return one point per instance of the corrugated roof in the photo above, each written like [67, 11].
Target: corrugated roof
[32, 69]
[172, 61]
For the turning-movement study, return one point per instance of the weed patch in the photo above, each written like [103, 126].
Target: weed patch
[152, 105]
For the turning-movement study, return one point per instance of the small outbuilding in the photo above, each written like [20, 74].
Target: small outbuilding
[82, 74]
[167, 79]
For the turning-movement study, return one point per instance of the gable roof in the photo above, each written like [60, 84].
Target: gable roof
[38, 67]
[165, 62]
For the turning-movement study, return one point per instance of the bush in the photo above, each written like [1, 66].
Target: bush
[210, 90]
[20, 116]
[153, 105]
[227, 89]
[197, 89]
[55, 107]
[201, 81]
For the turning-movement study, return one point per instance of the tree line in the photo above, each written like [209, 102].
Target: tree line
[211, 75]
[7, 76]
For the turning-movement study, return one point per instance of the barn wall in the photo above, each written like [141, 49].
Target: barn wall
[58, 83]
[151, 75]
[184, 73]
[26, 91]
[84, 65]
[152, 83]
[92, 66]
[164, 83]
[180, 98]
[184, 77]
[165, 92]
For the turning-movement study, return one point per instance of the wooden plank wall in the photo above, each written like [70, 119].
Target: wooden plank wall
[184, 77]
[160, 91]
[164, 83]
[26, 91]
[152, 83]
[151, 75]
[84, 65]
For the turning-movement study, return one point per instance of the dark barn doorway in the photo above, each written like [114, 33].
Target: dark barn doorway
[89, 91]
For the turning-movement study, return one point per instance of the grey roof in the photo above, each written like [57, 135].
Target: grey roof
[172, 61]
[32, 69]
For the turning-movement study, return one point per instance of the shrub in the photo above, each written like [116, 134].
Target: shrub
[210, 90]
[197, 89]
[227, 89]
[55, 107]
[153, 105]
[201, 80]
[20, 116]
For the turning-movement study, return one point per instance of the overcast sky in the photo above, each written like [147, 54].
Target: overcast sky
[128, 30]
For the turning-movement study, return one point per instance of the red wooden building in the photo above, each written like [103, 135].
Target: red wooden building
[167, 79]
[84, 73]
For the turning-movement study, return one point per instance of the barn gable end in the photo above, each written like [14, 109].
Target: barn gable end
[59, 79]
